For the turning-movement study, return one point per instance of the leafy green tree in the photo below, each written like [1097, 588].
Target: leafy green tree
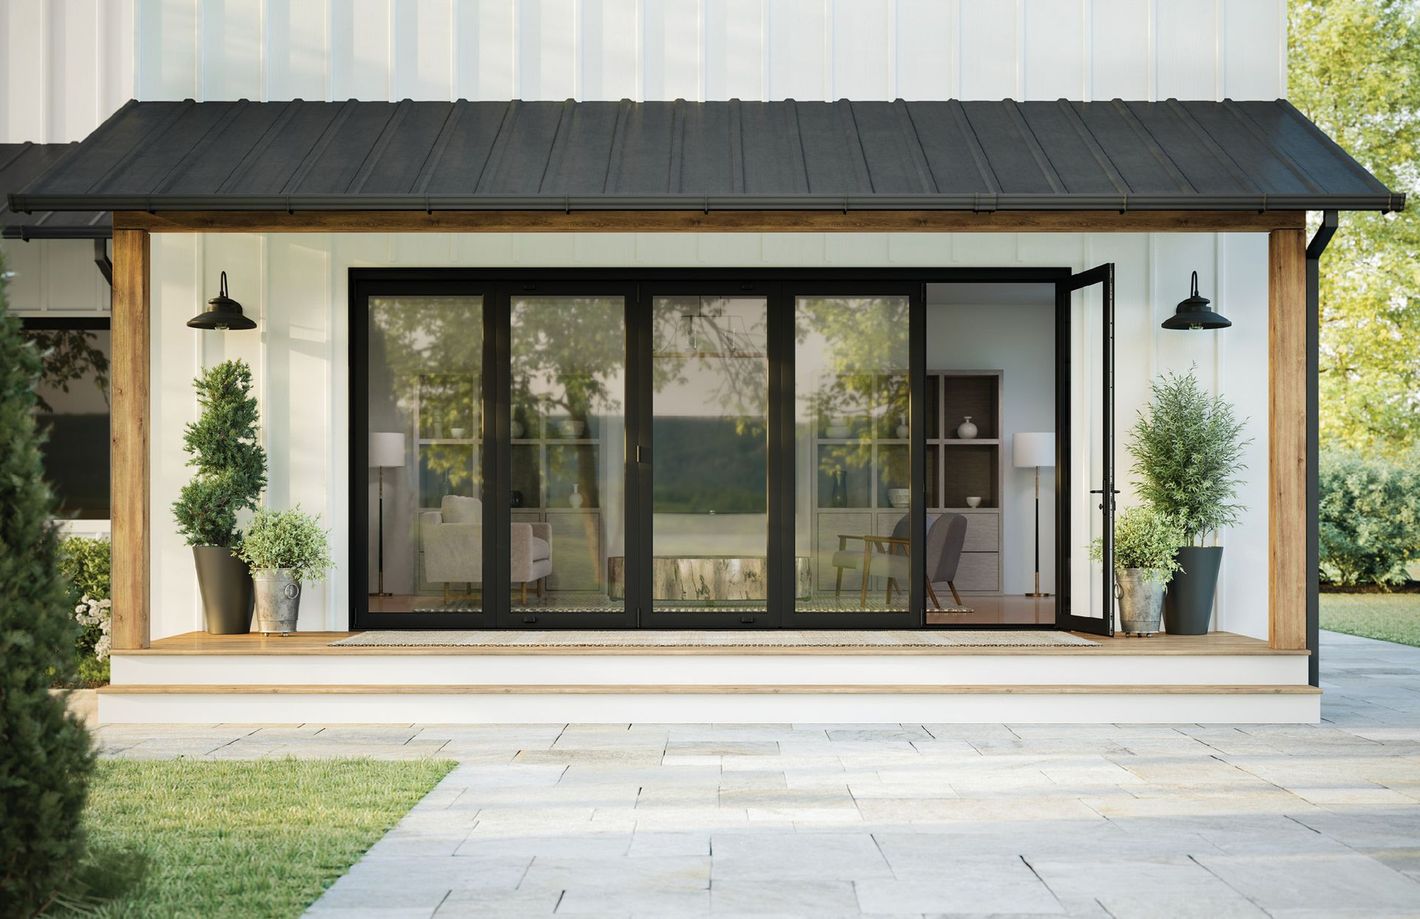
[45, 753]
[222, 445]
[1354, 69]
[1368, 518]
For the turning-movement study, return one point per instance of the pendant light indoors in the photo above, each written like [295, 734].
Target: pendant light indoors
[1194, 313]
[222, 313]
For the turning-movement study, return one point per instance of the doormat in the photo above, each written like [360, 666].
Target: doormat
[980, 638]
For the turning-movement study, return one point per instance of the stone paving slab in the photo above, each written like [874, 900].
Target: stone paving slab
[922, 820]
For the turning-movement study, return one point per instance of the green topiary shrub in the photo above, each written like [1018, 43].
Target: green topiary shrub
[1368, 519]
[287, 539]
[87, 565]
[222, 445]
[1146, 540]
[45, 753]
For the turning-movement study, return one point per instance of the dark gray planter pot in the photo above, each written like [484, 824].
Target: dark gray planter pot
[1188, 606]
[225, 581]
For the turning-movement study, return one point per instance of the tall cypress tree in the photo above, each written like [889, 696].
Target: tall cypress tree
[45, 753]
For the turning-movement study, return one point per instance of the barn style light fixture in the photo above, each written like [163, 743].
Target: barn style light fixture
[1194, 313]
[222, 313]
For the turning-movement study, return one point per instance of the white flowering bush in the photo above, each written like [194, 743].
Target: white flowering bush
[96, 616]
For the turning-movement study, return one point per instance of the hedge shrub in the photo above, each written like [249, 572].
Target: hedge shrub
[1368, 519]
[45, 753]
[86, 563]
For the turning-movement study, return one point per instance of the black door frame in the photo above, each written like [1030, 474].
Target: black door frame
[497, 286]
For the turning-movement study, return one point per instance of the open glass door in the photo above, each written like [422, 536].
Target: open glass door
[1086, 463]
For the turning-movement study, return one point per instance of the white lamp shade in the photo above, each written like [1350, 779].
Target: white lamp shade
[1034, 449]
[387, 450]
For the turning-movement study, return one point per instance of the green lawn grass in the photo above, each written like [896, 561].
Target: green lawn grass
[249, 839]
[1389, 617]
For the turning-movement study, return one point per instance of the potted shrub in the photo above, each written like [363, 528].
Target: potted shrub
[231, 472]
[284, 549]
[1187, 448]
[1146, 544]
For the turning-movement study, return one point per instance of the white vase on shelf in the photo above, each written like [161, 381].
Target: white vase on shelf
[575, 498]
[966, 430]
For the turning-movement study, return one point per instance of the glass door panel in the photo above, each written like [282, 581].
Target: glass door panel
[424, 416]
[709, 433]
[567, 419]
[853, 492]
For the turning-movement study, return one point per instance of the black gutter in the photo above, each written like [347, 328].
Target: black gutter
[28, 232]
[1315, 248]
[28, 202]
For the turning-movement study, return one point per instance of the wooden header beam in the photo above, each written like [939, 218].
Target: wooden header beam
[710, 222]
[129, 433]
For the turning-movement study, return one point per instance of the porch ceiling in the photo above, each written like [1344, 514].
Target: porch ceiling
[763, 156]
[19, 165]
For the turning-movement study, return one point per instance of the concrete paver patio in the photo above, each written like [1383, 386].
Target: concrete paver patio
[671, 820]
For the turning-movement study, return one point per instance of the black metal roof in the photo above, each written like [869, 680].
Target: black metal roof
[19, 165]
[945, 155]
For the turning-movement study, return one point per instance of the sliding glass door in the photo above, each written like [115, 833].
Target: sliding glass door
[419, 460]
[854, 485]
[709, 429]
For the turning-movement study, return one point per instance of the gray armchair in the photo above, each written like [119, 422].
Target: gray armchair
[453, 546]
[887, 557]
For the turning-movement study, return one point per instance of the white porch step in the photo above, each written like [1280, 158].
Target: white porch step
[617, 703]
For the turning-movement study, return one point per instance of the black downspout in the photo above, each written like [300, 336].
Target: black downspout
[1315, 248]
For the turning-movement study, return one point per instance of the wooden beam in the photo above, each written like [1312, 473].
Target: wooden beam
[1287, 439]
[129, 433]
[711, 222]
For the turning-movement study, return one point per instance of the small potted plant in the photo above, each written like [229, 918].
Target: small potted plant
[1187, 451]
[1146, 544]
[222, 446]
[284, 549]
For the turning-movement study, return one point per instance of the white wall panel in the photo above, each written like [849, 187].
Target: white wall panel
[672, 42]
[1121, 36]
[1186, 57]
[360, 49]
[925, 61]
[166, 62]
[863, 49]
[484, 52]
[54, 277]
[547, 49]
[797, 50]
[297, 49]
[1254, 40]
[734, 49]
[1053, 49]
[230, 57]
[423, 50]
[610, 68]
[989, 61]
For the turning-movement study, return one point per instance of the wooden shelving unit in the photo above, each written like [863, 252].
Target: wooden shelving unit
[958, 467]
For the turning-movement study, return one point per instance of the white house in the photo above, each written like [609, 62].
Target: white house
[748, 328]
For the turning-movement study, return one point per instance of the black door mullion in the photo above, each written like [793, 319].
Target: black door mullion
[497, 512]
[782, 583]
[916, 451]
[638, 457]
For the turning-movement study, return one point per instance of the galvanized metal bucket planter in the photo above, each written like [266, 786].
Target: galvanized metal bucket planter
[278, 599]
[1141, 600]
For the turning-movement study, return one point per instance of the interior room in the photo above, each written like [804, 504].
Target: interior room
[991, 433]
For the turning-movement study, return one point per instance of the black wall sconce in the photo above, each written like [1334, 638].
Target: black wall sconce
[223, 313]
[1194, 313]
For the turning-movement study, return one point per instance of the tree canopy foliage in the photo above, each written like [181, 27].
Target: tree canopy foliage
[1354, 69]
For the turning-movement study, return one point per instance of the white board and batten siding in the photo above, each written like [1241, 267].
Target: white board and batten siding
[640, 49]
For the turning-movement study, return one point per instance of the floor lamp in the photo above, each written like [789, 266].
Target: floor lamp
[1035, 449]
[386, 452]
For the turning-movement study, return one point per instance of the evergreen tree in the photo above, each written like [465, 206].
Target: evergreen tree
[1354, 69]
[45, 753]
[222, 445]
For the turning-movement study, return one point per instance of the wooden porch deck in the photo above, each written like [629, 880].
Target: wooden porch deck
[319, 643]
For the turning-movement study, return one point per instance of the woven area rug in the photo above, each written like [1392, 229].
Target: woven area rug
[679, 639]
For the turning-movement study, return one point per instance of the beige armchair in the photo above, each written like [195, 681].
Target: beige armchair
[452, 538]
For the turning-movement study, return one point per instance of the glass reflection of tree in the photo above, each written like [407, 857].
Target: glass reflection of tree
[865, 367]
[705, 341]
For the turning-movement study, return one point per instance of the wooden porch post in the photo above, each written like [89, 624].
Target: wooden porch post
[129, 433]
[1287, 439]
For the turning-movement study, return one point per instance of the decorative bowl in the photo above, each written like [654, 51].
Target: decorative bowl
[572, 427]
[899, 497]
[973, 501]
